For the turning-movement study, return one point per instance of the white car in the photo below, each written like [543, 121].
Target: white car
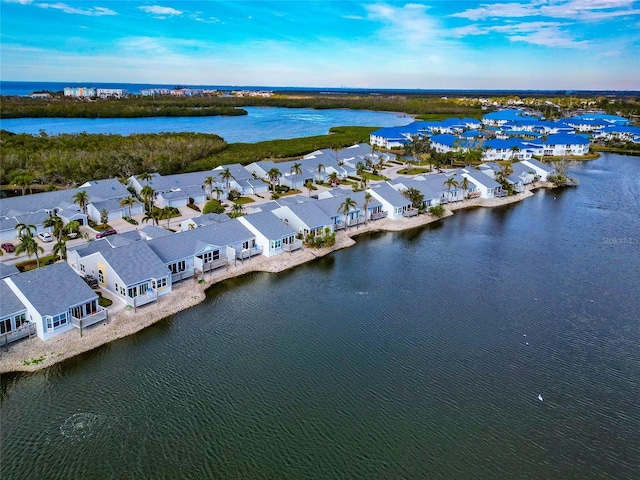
[45, 237]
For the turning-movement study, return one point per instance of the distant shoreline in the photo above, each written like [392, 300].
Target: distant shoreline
[30, 355]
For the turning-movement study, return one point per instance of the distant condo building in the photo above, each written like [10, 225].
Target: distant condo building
[88, 92]
[150, 92]
[79, 92]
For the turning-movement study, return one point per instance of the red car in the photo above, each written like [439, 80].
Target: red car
[8, 247]
[106, 233]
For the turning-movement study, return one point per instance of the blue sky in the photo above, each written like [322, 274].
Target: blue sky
[535, 44]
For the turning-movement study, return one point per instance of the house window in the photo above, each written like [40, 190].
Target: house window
[100, 276]
[249, 244]
[21, 320]
[82, 267]
[56, 321]
[276, 244]
[5, 326]
[160, 283]
[180, 266]
[209, 257]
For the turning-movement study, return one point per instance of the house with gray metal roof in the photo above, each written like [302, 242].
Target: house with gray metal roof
[486, 185]
[203, 220]
[114, 209]
[133, 272]
[206, 248]
[6, 270]
[543, 170]
[13, 317]
[391, 200]
[272, 234]
[305, 218]
[57, 299]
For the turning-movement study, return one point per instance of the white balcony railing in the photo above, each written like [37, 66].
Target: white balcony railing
[27, 330]
[140, 300]
[91, 319]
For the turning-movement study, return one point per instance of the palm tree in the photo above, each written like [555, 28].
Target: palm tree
[296, 170]
[309, 185]
[57, 224]
[450, 182]
[236, 210]
[367, 199]
[208, 182]
[514, 150]
[333, 178]
[127, 202]
[153, 215]
[147, 194]
[415, 196]
[29, 246]
[218, 191]
[273, 174]
[320, 170]
[72, 227]
[360, 169]
[25, 230]
[81, 198]
[60, 249]
[346, 206]
[145, 177]
[465, 186]
[226, 177]
[166, 213]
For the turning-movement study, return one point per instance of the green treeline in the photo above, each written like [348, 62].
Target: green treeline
[135, 107]
[19, 107]
[66, 159]
[76, 158]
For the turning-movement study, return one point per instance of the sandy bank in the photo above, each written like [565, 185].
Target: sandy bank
[20, 356]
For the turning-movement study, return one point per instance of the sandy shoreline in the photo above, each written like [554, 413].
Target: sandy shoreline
[123, 322]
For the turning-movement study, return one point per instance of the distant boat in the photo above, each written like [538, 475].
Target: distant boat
[540, 398]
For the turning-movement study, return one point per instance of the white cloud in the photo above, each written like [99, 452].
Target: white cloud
[410, 24]
[570, 9]
[91, 11]
[353, 17]
[21, 2]
[159, 11]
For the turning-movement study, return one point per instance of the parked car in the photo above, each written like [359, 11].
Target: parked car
[8, 247]
[45, 237]
[106, 233]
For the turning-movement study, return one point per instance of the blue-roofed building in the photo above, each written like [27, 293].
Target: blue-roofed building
[447, 142]
[501, 117]
[566, 144]
[505, 149]
[621, 133]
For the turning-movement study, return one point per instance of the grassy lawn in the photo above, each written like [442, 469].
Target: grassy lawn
[32, 264]
[371, 176]
[243, 200]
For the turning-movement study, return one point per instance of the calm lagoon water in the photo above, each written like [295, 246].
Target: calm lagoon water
[262, 123]
[411, 355]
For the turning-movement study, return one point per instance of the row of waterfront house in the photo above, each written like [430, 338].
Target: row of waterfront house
[137, 267]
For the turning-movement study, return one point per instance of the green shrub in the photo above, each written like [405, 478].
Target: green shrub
[438, 210]
[213, 206]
